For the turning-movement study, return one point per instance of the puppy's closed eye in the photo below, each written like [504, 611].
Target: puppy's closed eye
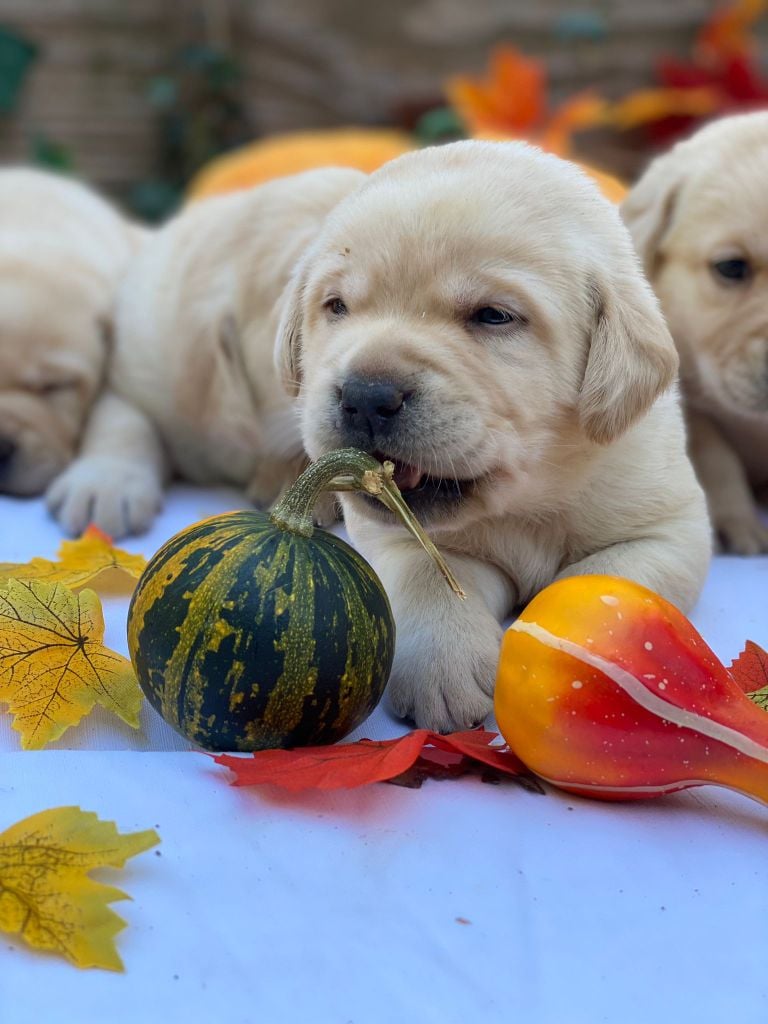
[56, 387]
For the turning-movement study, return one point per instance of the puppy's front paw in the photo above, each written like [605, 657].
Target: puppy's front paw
[446, 683]
[120, 496]
[742, 534]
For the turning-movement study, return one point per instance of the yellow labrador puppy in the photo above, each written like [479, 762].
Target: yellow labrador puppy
[62, 252]
[699, 219]
[192, 385]
[477, 314]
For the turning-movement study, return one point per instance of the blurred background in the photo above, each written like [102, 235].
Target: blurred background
[138, 96]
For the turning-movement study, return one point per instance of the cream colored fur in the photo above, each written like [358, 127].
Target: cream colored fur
[193, 389]
[567, 419]
[704, 202]
[62, 252]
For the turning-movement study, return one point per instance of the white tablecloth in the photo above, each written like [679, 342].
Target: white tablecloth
[460, 902]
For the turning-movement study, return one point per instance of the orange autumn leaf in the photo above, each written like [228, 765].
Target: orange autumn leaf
[750, 670]
[46, 894]
[90, 557]
[511, 97]
[727, 31]
[53, 665]
[518, 84]
[511, 100]
[348, 765]
[584, 110]
[646, 105]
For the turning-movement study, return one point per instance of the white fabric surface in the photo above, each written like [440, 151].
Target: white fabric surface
[350, 907]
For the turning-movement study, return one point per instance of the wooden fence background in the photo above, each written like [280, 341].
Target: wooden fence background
[305, 62]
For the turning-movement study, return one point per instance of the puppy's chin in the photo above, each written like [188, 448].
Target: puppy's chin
[26, 478]
[30, 459]
[38, 439]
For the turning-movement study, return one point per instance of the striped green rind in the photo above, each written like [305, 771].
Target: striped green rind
[245, 636]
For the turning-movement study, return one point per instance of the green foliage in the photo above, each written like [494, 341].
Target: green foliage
[16, 56]
[200, 115]
[441, 124]
[47, 152]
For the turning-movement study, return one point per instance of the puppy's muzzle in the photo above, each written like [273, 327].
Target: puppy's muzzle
[370, 409]
[388, 419]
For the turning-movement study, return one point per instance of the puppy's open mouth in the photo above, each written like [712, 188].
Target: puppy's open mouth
[424, 492]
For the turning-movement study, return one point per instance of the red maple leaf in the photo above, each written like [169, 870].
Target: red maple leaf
[750, 669]
[722, 60]
[736, 81]
[477, 745]
[347, 765]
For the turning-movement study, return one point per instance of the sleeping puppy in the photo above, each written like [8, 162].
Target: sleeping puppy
[699, 219]
[62, 252]
[476, 314]
[192, 385]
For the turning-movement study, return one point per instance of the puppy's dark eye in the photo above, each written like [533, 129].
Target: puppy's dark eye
[491, 316]
[736, 269]
[336, 307]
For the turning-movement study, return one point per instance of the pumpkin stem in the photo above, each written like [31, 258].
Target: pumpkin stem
[348, 469]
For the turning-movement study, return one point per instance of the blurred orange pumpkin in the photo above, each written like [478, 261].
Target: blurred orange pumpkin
[611, 187]
[364, 148]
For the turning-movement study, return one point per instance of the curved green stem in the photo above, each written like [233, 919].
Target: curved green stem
[348, 469]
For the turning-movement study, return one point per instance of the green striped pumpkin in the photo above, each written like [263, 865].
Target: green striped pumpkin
[249, 631]
[246, 636]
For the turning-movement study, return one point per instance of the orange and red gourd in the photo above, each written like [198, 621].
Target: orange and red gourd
[606, 689]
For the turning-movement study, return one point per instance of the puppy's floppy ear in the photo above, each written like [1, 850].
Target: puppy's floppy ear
[649, 208]
[631, 360]
[287, 354]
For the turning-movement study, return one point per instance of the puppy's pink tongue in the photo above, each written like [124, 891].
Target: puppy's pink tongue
[407, 477]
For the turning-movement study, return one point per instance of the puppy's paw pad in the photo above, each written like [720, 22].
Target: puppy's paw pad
[121, 497]
[441, 709]
[445, 691]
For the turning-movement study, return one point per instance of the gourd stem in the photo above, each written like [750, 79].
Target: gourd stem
[351, 470]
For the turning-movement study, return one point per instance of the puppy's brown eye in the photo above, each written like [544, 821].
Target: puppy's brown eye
[734, 270]
[492, 316]
[336, 307]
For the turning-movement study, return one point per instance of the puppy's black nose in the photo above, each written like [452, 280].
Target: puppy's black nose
[7, 451]
[370, 405]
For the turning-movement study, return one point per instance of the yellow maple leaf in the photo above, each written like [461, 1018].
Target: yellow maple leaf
[79, 562]
[46, 895]
[53, 665]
